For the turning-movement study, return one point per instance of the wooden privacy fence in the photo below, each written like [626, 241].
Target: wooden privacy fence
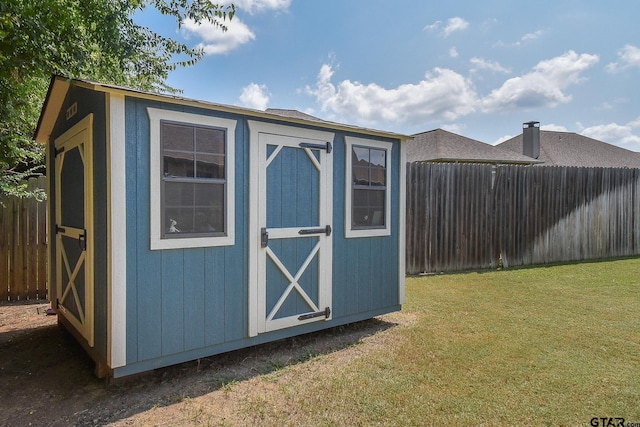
[466, 216]
[23, 246]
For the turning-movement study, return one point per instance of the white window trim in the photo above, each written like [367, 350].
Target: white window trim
[350, 141]
[157, 242]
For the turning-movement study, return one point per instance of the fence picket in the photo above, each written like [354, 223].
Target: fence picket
[475, 215]
[23, 246]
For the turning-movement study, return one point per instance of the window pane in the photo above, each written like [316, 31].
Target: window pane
[177, 164]
[360, 198]
[209, 194]
[209, 166]
[210, 140]
[209, 208]
[376, 208]
[178, 220]
[177, 137]
[209, 220]
[360, 217]
[378, 158]
[360, 175]
[178, 194]
[368, 208]
[360, 156]
[378, 176]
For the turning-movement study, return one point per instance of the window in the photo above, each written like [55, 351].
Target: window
[192, 191]
[368, 182]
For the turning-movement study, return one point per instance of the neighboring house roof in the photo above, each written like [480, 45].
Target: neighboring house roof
[572, 149]
[442, 146]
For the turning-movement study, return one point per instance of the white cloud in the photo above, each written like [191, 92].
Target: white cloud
[453, 52]
[255, 96]
[455, 24]
[454, 128]
[432, 27]
[626, 136]
[532, 36]
[529, 37]
[442, 95]
[214, 40]
[501, 139]
[553, 127]
[254, 6]
[483, 64]
[543, 86]
[629, 57]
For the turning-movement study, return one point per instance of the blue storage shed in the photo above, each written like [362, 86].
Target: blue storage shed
[180, 229]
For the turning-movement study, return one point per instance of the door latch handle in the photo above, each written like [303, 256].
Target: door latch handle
[264, 237]
[326, 230]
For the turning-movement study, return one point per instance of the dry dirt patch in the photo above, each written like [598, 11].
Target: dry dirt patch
[47, 379]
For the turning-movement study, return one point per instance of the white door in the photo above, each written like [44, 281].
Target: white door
[74, 226]
[293, 189]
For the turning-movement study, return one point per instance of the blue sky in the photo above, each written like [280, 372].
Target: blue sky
[479, 69]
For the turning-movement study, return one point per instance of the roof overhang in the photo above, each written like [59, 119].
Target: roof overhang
[59, 87]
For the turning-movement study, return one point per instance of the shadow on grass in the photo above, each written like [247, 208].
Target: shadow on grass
[47, 379]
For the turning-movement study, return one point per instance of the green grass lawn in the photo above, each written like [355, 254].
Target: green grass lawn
[553, 345]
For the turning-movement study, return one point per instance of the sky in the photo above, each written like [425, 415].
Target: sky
[476, 68]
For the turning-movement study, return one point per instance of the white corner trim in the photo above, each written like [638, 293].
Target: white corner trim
[350, 141]
[156, 241]
[117, 238]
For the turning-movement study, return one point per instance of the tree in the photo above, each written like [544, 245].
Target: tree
[91, 39]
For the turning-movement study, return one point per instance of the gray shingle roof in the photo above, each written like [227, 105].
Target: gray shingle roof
[442, 146]
[572, 149]
[293, 114]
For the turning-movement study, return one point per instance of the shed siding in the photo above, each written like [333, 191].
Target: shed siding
[88, 102]
[365, 270]
[184, 304]
[180, 299]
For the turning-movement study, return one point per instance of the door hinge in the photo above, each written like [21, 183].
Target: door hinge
[82, 240]
[326, 146]
[264, 237]
[326, 313]
[60, 229]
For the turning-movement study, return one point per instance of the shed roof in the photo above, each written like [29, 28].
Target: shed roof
[60, 85]
[572, 149]
[439, 145]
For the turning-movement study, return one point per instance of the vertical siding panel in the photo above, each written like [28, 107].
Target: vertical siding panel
[236, 294]
[236, 291]
[173, 275]
[364, 276]
[340, 281]
[149, 265]
[214, 295]
[132, 232]
[194, 298]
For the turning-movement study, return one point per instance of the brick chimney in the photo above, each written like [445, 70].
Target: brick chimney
[531, 139]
